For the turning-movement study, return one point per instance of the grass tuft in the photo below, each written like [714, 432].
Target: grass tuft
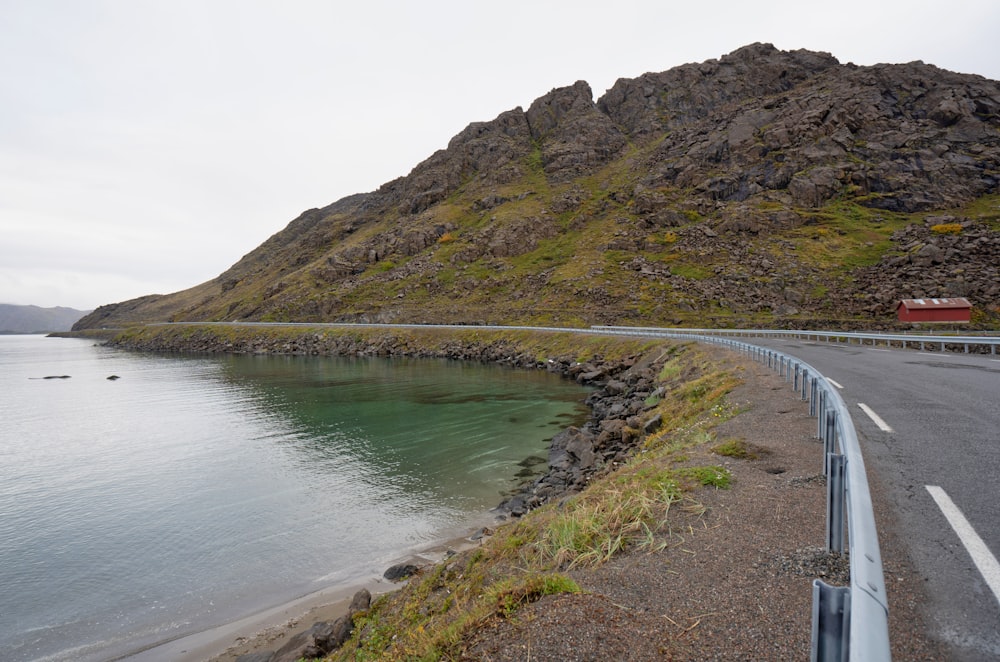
[737, 448]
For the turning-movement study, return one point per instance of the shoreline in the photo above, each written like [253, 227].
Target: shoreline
[622, 385]
[270, 628]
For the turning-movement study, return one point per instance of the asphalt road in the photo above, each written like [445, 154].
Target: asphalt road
[943, 411]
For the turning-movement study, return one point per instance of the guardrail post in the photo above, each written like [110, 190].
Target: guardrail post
[831, 618]
[805, 378]
[813, 389]
[835, 502]
[830, 435]
[820, 413]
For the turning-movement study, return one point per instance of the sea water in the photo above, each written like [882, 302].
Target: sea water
[192, 491]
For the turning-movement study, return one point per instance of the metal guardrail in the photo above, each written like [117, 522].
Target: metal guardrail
[923, 341]
[849, 623]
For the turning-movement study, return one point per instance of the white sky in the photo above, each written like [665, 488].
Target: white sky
[146, 145]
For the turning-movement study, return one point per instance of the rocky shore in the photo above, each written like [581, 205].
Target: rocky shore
[624, 392]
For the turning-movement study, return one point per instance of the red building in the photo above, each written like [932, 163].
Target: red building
[934, 310]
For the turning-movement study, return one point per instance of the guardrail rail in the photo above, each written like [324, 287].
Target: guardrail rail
[925, 342]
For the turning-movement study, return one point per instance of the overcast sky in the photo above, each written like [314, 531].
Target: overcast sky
[147, 145]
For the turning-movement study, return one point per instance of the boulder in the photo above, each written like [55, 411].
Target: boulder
[400, 571]
[361, 601]
[653, 424]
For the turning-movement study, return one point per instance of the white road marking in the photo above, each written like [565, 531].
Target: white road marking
[882, 425]
[835, 383]
[974, 545]
[873, 349]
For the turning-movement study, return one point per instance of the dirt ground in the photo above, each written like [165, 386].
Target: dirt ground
[735, 583]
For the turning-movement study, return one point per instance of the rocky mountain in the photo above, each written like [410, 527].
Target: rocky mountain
[764, 187]
[32, 319]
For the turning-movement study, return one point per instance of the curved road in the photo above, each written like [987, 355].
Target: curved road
[934, 442]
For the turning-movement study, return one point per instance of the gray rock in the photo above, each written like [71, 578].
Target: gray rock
[653, 424]
[340, 632]
[615, 387]
[361, 601]
[400, 571]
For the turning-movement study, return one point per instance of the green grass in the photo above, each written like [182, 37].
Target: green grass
[610, 517]
[710, 476]
[692, 271]
[736, 448]
[844, 236]
[985, 209]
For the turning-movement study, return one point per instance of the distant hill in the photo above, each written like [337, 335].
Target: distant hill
[766, 187]
[32, 319]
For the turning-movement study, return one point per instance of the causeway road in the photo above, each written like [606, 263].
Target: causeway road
[929, 428]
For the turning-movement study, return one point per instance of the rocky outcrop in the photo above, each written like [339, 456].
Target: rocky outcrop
[909, 137]
[492, 151]
[657, 103]
[576, 137]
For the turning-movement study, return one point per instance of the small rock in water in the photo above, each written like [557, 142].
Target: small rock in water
[113, 377]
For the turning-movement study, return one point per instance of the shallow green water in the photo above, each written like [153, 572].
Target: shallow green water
[192, 491]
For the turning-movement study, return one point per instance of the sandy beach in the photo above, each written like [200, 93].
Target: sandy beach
[270, 629]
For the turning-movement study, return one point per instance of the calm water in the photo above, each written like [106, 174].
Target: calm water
[195, 490]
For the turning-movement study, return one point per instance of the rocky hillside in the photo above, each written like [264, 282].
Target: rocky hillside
[765, 187]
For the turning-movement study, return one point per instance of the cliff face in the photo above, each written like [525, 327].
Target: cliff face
[762, 187]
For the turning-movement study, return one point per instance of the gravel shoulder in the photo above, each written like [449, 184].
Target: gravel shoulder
[735, 580]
